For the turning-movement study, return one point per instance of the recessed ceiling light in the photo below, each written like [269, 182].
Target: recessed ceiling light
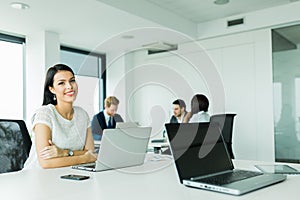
[221, 2]
[127, 37]
[19, 5]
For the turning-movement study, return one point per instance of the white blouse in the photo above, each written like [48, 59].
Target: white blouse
[200, 117]
[66, 134]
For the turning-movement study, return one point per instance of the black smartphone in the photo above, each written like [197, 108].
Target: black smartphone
[75, 177]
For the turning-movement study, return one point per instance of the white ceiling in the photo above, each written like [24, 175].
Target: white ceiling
[93, 24]
[200, 10]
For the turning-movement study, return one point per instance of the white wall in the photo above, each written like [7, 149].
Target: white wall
[42, 51]
[271, 17]
[234, 71]
[245, 63]
[115, 84]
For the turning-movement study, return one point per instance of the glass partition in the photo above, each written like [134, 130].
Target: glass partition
[286, 91]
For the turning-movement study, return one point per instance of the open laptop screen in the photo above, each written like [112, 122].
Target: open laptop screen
[199, 144]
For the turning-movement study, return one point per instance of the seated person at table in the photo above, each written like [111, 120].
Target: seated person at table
[106, 118]
[61, 132]
[179, 111]
[199, 109]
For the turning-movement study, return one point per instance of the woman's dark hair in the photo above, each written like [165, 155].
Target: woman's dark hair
[199, 103]
[48, 95]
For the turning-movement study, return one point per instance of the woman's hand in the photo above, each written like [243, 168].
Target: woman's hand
[90, 156]
[51, 151]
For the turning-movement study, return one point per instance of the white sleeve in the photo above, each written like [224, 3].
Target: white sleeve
[42, 116]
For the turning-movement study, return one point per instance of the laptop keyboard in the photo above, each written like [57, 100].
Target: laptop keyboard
[229, 177]
[91, 166]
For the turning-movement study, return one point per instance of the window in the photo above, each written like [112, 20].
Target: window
[90, 76]
[12, 82]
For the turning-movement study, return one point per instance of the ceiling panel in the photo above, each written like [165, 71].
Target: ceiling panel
[205, 10]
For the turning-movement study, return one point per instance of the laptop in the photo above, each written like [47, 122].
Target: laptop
[202, 161]
[119, 148]
[126, 124]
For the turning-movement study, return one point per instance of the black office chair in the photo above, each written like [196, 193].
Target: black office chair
[15, 144]
[226, 124]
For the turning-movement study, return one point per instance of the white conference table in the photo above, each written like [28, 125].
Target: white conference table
[156, 179]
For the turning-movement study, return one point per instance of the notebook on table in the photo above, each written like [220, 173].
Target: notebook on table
[121, 147]
[202, 161]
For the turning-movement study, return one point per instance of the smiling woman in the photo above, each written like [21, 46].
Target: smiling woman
[61, 131]
[60, 85]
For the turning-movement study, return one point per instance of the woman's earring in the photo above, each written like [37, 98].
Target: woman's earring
[54, 98]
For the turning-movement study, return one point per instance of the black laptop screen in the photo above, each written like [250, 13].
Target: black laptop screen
[198, 149]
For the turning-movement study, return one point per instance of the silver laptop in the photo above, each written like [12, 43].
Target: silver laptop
[119, 148]
[202, 161]
[126, 124]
